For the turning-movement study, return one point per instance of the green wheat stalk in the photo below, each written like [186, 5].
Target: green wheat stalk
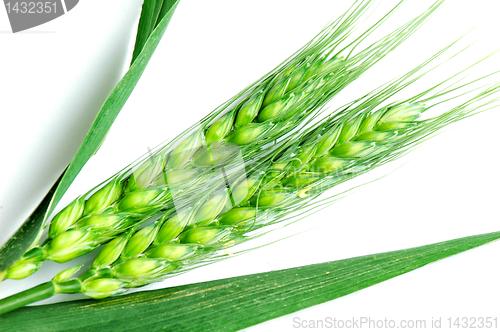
[357, 138]
[283, 101]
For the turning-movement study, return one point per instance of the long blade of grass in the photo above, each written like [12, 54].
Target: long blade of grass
[27, 233]
[235, 303]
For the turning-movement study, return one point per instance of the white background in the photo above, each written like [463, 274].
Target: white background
[55, 77]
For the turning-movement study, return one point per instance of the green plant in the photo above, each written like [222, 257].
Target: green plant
[281, 102]
[10, 318]
[357, 138]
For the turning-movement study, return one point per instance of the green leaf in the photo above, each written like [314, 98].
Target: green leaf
[26, 234]
[165, 8]
[149, 16]
[235, 303]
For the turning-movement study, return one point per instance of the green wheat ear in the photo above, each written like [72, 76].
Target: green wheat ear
[175, 243]
[267, 111]
[391, 131]
[310, 162]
